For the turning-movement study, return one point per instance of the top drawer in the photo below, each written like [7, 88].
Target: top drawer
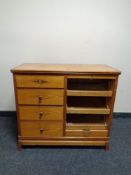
[39, 81]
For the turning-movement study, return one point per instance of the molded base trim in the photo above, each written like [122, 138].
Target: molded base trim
[62, 143]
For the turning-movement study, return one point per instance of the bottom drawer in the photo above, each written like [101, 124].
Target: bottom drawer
[41, 129]
[86, 133]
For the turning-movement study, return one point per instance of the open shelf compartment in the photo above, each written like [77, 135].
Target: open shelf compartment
[87, 102]
[89, 84]
[83, 121]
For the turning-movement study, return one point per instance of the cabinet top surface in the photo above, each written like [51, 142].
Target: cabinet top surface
[64, 68]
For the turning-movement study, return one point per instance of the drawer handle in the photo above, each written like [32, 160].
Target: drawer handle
[41, 131]
[40, 98]
[40, 115]
[40, 81]
[86, 131]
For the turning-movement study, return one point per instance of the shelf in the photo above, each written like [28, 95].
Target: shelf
[94, 77]
[87, 102]
[81, 110]
[89, 93]
[89, 84]
[73, 126]
[86, 119]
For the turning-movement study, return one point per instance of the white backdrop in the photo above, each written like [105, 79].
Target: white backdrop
[65, 31]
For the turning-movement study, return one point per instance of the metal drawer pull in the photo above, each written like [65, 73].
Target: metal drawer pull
[40, 98]
[40, 115]
[41, 130]
[40, 81]
[86, 131]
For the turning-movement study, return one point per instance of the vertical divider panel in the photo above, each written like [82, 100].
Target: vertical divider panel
[65, 101]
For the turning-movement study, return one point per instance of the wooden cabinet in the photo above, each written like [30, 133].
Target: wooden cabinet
[64, 104]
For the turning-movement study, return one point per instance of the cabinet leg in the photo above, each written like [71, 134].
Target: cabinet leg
[19, 146]
[107, 146]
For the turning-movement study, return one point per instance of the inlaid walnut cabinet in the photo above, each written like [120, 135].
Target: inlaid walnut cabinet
[64, 104]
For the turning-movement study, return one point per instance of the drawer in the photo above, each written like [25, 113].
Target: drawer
[41, 113]
[86, 133]
[40, 96]
[41, 129]
[39, 81]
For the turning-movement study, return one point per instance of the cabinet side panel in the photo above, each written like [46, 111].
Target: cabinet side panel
[16, 103]
[112, 101]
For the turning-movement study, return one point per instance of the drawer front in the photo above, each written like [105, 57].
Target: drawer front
[41, 129]
[86, 133]
[39, 81]
[41, 113]
[40, 96]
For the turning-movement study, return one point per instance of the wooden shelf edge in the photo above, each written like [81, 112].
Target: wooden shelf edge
[84, 110]
[95, 126]
[89, 93]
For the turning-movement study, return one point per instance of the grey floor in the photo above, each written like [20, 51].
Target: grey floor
[66, 161]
